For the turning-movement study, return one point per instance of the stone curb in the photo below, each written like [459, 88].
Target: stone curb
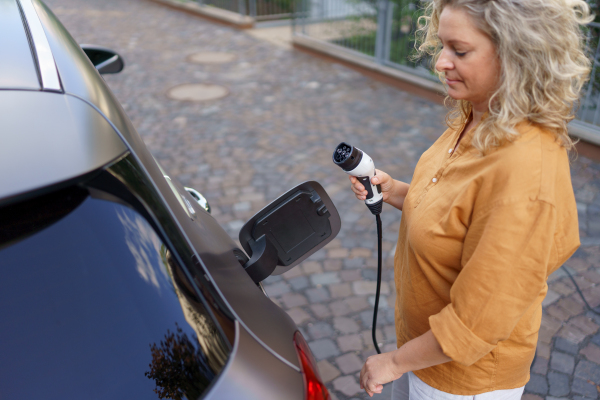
[337, 52]
[215, 14]
[576, 128]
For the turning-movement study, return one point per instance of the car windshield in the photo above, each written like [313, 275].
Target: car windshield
[95, 306]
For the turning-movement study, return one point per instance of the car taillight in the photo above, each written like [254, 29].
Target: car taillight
[314, 388]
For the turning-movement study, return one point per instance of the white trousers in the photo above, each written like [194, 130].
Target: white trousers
[410, 387]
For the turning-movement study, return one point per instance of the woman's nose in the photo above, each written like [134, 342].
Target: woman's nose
[444, 63]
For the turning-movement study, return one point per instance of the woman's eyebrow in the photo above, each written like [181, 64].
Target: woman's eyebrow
[453, 41]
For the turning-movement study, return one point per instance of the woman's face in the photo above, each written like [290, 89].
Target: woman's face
[468, 59]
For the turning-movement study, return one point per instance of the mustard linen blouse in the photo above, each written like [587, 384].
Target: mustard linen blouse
[479, 236]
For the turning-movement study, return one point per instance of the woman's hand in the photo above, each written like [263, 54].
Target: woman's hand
[393, 191]
[421, 352]
[378, 370]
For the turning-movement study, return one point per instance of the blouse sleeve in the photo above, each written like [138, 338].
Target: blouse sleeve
[512, 250]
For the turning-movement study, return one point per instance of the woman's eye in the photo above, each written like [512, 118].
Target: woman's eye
[460, 54]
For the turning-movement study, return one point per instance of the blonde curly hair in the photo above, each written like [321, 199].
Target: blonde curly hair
[541, 49]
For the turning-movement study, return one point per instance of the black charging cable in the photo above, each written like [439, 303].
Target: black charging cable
[378, 290]
[357, 163]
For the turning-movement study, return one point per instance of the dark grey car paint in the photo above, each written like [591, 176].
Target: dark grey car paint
[266, 321]
[81, 79]
[42, 143]
[20, 71]
[272, 381]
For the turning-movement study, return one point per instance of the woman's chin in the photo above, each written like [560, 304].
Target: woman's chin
[455, 94]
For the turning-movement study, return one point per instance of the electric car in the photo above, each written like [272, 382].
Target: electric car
[117, 283]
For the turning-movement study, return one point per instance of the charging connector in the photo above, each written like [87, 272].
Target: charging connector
[357, 163]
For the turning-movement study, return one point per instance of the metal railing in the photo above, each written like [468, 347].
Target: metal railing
[384, 32]
[589, 110]
[258, 9]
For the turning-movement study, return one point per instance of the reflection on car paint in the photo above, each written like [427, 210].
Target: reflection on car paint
[178, 368]
[145, 247]
[112, 290]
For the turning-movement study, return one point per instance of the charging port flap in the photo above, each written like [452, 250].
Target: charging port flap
[289, 230]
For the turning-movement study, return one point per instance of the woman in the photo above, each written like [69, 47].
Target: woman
[490, 212]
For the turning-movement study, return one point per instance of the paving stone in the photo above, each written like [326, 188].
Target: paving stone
[321, 311]
[326, 278]
[340, 308]
[332, 265]
[592, 276]
[350, 275]
[332, 394]
[550, 298]
[349, 363]
[369, 287]
[327, 371]
[537, 384]
[566, 346]
[571, 306]
[558, 312]
[299, 283]
[277, 289]
[350, 343]
[272, 279]
[543, 350]
[540, 366]
[291, 300]
[556, 398]
[360, 252]
[293, 273]
[298, 315]
[317, 295]
[338, 253]
[345, 325]
[340, 290]
[577, 263]
[347, 385]
[585, 324]
[592, 296]
[356, 304]
[367, 337]
[562, 362]
[559, 384]
[585, 388]
[563, 287]
[591, 352]
[323, 348]
[383, 303]
[320, 330]
[588, 371]
[530, 396]
[572, 334]
[390, 333]
[354, 263]
[369, 275]
[367, 319]
[312, 267]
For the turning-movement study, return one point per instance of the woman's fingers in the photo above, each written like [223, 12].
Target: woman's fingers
[358, 188]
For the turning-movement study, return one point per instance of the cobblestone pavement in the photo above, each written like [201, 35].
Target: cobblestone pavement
[285, 113]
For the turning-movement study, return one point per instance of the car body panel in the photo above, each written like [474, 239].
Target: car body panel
[215, 250]
[32, 160]
[95, 110]
[242, 379]
[20, 72]
[253, 308]
[80, 78]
